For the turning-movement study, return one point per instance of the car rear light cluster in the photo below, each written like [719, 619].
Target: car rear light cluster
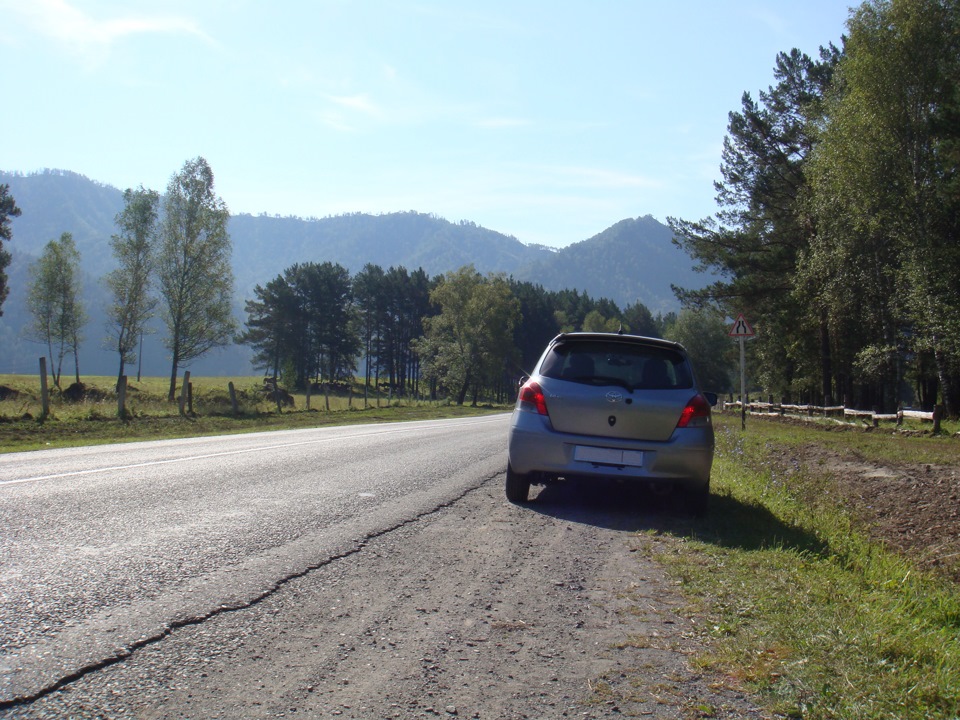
[696, 413]
[532, 399]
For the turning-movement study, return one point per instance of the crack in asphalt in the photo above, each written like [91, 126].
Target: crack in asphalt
[126, 652]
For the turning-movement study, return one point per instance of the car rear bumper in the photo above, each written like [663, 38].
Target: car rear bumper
[534, 447]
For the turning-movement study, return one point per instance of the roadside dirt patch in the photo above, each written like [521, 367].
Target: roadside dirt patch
[81, 392]
[914, 509]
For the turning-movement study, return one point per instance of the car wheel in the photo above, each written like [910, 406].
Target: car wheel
[698, 499]
[518, 486]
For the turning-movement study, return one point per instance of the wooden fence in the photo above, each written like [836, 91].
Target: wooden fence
[871, 417]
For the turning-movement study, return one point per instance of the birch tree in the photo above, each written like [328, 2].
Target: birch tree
[194, 272]
[134, 248]
[54, 302]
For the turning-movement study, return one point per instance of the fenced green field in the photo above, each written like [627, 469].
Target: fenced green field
[96, 417]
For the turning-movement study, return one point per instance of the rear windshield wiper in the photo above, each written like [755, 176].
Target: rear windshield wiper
[609, 380]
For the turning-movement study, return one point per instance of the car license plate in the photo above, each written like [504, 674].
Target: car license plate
[608, 456]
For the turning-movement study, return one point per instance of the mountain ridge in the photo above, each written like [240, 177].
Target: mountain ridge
[633, 260]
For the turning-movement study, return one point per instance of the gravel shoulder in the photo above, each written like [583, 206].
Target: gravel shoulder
[478, 609]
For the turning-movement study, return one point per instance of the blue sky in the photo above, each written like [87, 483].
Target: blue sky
[549, 121]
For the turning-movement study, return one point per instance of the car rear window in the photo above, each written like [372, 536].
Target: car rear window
[631, 365]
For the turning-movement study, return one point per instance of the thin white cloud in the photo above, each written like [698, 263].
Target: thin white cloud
[348, 113]
[496, 123]
[360, 102]
[90, 38]
[335, 121]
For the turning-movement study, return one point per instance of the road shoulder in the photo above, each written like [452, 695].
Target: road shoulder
[481, 609]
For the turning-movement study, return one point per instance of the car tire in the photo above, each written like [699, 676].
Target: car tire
[517, 486]
[698, 499]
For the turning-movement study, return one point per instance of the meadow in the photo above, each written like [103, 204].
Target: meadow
[148, 416]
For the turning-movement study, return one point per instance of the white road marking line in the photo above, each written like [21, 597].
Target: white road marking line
[225, 453]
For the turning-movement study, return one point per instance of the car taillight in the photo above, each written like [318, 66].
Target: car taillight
[696, 413]
[532, 394]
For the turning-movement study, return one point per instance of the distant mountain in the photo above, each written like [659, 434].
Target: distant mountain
[630, 261]
[634, 260]
[268, 245]
[54, 202]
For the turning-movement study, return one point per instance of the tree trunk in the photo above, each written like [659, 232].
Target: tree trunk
[461, 396]
[59, 371]
[826, 364]
[172, 394]
[949, 385]
[140, 357]
[366, 370]
[120, 374]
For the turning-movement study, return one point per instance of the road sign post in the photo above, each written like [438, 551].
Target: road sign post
[741, 330]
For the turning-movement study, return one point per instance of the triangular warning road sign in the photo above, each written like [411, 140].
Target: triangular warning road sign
[741, 328]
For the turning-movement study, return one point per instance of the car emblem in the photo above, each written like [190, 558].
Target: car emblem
[614, 396]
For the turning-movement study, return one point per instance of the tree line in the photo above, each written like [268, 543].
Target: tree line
[837, 234]
[461, 335]
[173, 259]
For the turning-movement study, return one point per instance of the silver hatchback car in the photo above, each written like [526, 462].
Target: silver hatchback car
[617, 406]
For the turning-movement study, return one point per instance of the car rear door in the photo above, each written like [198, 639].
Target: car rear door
[616, 390]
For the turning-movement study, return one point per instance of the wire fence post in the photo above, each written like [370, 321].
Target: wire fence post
[44, 390]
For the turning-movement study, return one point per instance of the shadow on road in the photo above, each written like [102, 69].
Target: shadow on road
[634, 508]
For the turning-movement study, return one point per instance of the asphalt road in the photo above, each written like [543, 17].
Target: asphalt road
[105, 550]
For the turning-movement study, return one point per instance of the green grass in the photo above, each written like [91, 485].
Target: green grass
[915, 443]
[797, 602]
[150, 416]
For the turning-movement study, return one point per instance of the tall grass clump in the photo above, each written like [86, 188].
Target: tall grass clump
[801, 605]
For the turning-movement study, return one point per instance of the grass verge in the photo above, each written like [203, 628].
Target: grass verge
[799, 604]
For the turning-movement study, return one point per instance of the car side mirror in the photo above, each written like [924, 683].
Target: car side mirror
[712, 398]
